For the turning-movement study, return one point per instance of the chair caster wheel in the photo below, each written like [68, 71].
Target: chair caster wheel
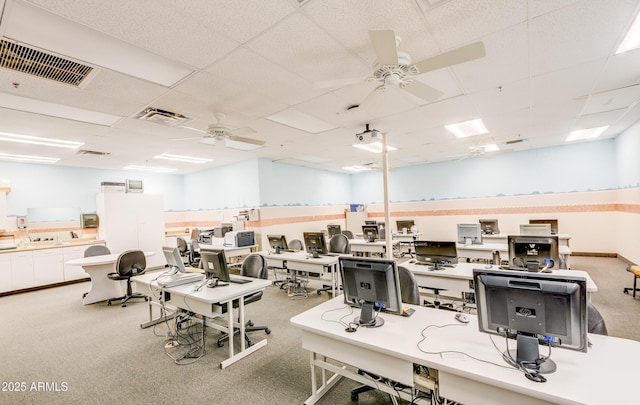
[354, 397]
[109, 304]
[267, 331]
[220, 344]
[249, 323]
[84, 295]
[319, 292]
[625, 291]
[123, 305]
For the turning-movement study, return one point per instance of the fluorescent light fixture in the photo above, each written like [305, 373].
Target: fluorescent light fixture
[154, 169]
[582, 134]
[299, 120]
[467, 128]
[312, 159]
[36, 140]
[375, 147]
[31, 105]
[179, 158]
[490, 147]
[632, 38]
[357, 168]
[27, 158]
[230, 143]
[51, 32]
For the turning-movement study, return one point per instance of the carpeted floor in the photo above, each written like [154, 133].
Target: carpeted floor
[67, 353]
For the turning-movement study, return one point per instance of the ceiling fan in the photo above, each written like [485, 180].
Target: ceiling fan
[230, 136]
[394, 68]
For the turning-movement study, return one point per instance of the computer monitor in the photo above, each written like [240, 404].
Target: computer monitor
[552, 222]
[277, 242]
[405, 225]
[214, 263]
[533, 253]
[489, 226]
[333, 229]
[173, 258]
[535, 229]
[370, 233]
[533, 308]
[371, 284]
[315, 243]
[370, 222]
[438, 254]
[469, 234]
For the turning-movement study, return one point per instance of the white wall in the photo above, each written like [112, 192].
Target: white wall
[627, 160]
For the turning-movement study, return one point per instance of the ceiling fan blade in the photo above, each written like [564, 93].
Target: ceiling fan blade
[458, 55]
[325, 84]
[242, 131]
[371, 97]
[246, 140]
[384, 45]
[423, 91]
[187, 139]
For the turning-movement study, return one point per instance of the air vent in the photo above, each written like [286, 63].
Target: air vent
[92, 152]
[161, 116]
[37, 63]
[514, 141]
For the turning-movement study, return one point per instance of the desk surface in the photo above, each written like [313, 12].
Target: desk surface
[596, 377]
[300, 256]
[101, 259]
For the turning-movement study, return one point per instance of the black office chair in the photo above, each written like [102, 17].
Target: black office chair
[338, 243]
[194, 253]
[348, 234]
[95, 250]
[254, 265]
[595, 321]
[183, 248]
[130, 263]
[410, 295]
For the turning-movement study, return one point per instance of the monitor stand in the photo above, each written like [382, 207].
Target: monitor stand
[367, 318]
[526, 354]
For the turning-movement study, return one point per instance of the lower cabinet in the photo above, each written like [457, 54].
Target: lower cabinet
[22, 270]
[5, 273]
[47, 266]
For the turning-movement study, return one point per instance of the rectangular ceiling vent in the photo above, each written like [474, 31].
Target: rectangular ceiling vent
[92, 153]
[514, 141]
[161, 116]
[45, 65]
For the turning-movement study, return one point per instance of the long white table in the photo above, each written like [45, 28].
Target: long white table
[326, 267]
[208, 303]
[563, 238]
[366, 248]
[469, 368]
[485, 251]
[102, 288]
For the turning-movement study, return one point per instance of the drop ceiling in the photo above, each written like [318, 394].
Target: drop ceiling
[549, 68]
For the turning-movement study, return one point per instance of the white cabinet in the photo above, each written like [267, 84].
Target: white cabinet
[47, 266]
[132, 221]
[5, 272]
[21, 270]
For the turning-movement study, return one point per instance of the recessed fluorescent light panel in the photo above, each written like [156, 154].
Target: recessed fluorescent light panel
[36, 140]
[632, 38]
[154, 169]
[490, 147]
[179, 158]
[467, 128]
[27, 158]
[312, 159]
[357, 168]
[582, 134]
[35, 26]
[375, 147]
[299, 120]
[230, 143]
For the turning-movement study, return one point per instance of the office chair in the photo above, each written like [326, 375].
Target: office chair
[338, 243]
[183, 248]
[194, 253]
[95, 250]
[254, 265]
[295, 244]
[410, 295]
[348, 234]
[595, 321]
[130, 263]
[635, 270]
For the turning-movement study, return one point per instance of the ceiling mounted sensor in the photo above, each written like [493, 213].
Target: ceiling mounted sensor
[394, 68]
[230, 136]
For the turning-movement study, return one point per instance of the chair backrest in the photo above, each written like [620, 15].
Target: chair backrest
[408, 286]
[339, 244]
[295, 244]
[255, 265]
[595, 321]
[182, 245]
[131, 263]
[96, 250]
[348, 234]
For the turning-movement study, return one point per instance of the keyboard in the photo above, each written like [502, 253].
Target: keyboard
[179, 279]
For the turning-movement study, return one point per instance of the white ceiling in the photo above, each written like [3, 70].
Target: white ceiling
[549, 68]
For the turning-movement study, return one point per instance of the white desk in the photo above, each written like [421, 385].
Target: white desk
[600, 376]
[207, 303]
[406, 237]
[563, 238]
[366, 248]
[485, 251]
[326, 267]
[102, 288]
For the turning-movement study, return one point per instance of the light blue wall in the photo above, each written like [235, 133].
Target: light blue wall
[282, 184]
[628, 158]
[567, 168]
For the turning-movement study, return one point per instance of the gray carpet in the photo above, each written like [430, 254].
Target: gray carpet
[99, 354]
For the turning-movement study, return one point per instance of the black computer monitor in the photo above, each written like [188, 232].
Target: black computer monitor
[533, 308]
[553, 223]
[173, 258]
[469, 234]
[315, 243]
[533, 253]
[489, 226]
[438, 254]
[214, 263]
[405, 225]
[370, 222]
[371, 284]
[370, 233]
[333, 229]
[277, 242]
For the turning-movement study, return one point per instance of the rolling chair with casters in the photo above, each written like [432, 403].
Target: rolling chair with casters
[348, 234]
[595, 321]
[254, 265]
[95, 250]
[337, 244]
[183, 248]
[296, 246]
[635, 270]
[410, 295]
[130, 263]
[194, 253]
